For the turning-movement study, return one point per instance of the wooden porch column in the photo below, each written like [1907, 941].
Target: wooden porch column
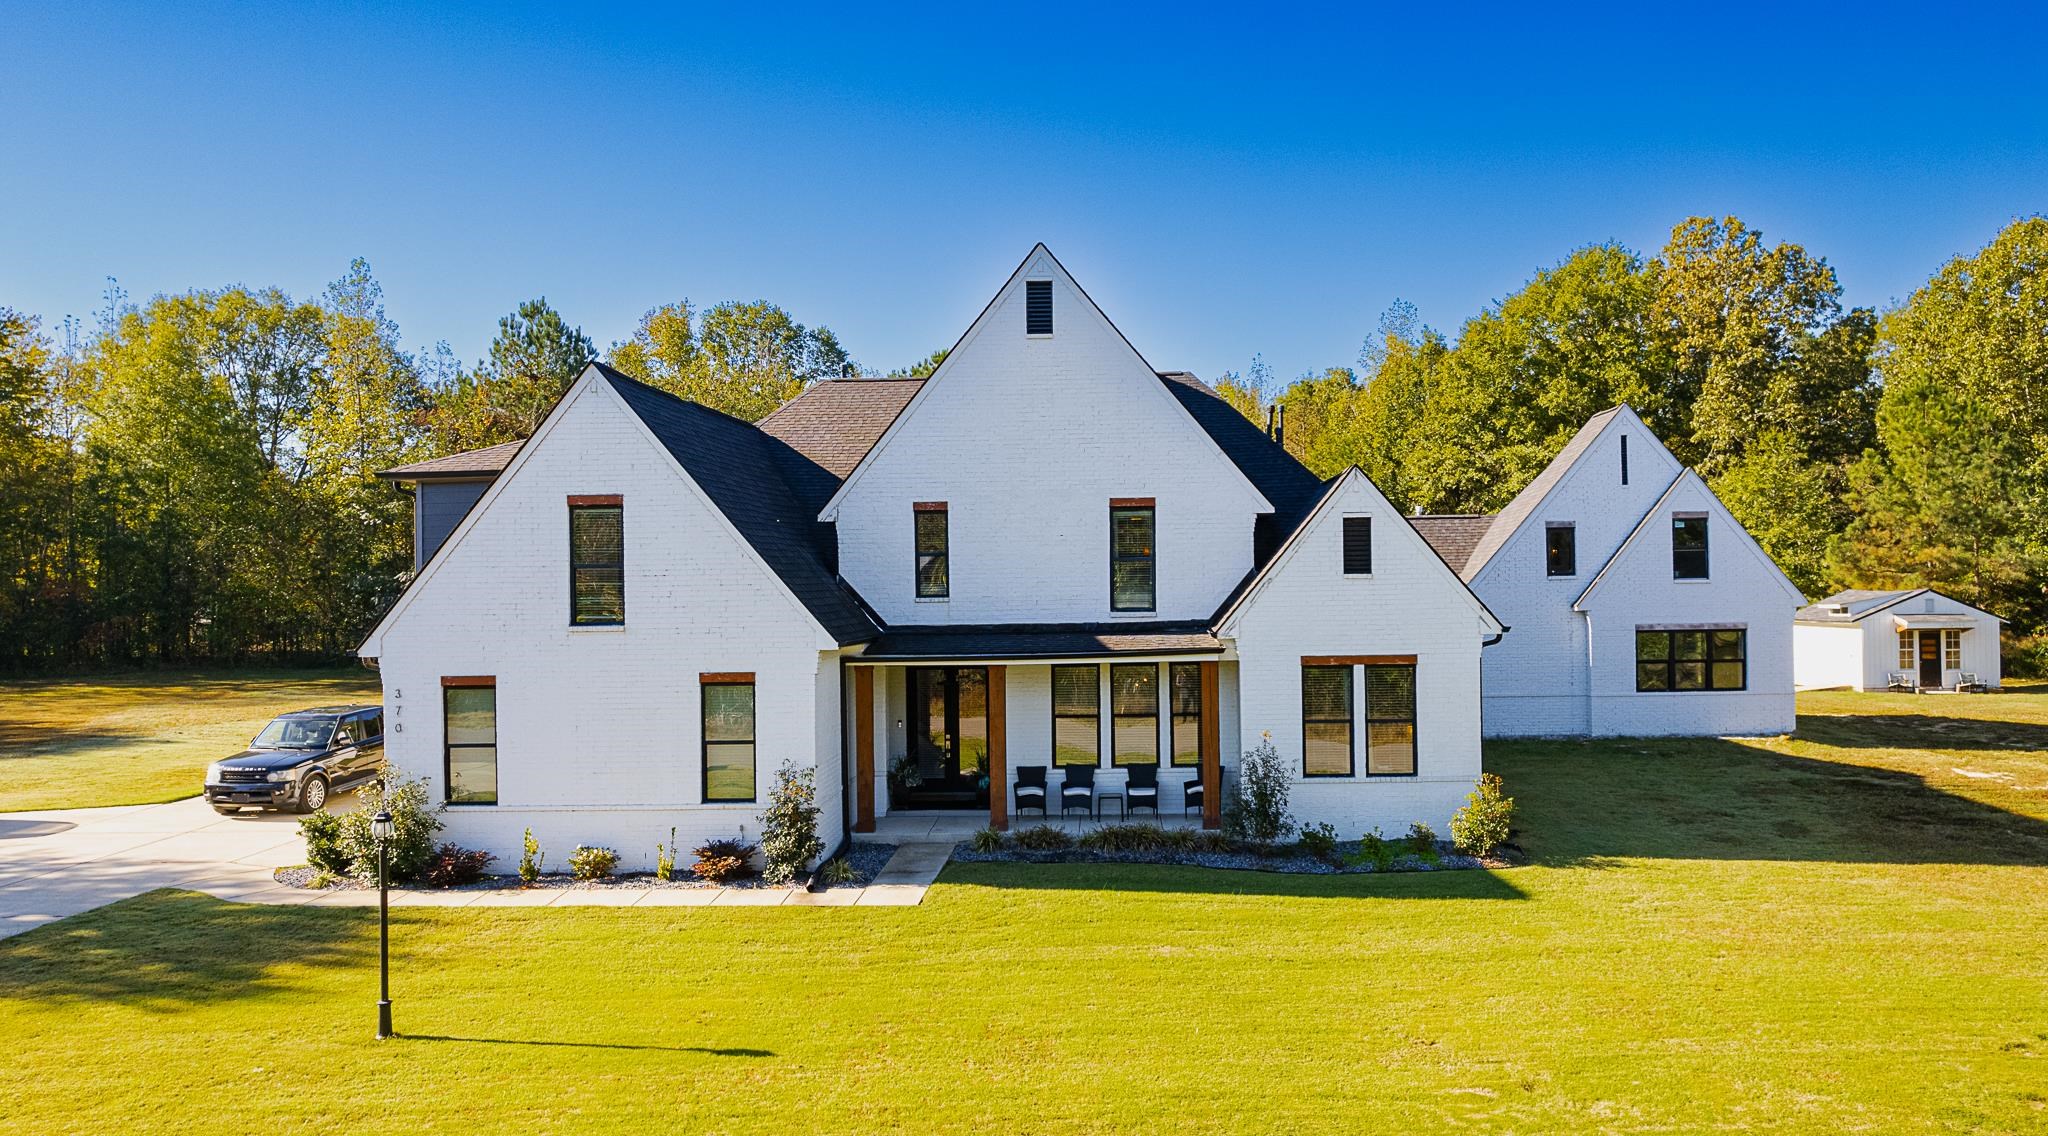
[1212, 747]
[864, 749]
[998, 749]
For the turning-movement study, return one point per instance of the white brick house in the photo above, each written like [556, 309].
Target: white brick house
[1639, 605]
[1046, 557]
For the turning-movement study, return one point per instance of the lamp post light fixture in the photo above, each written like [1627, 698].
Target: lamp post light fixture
[381, 829]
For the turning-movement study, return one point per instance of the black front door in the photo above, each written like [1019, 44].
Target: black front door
[948, 730]
[1930, 659]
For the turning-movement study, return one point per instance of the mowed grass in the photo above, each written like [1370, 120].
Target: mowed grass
[1843, 932]
[137, 739]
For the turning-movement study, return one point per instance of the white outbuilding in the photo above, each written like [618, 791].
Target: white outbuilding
[1915, 639]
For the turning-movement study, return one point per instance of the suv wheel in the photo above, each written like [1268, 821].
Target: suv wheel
[313, 794]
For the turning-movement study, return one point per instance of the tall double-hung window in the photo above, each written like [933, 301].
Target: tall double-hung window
[597, 561]
[1132, 555]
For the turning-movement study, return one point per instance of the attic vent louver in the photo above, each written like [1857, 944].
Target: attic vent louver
[1038, 307]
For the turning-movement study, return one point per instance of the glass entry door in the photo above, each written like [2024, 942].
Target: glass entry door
[948, 730]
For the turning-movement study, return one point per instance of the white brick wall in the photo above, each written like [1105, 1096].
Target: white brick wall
[1027, 440]
[599, 730]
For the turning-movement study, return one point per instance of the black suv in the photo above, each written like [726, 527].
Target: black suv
[298, 759]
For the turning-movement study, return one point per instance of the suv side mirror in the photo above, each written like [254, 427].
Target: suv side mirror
[342, 739]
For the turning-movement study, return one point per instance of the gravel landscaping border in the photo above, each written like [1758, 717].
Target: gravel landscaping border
[867, 861]
[1287, 860]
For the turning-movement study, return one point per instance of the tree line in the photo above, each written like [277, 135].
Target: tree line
[1891, 449]
[191, 479]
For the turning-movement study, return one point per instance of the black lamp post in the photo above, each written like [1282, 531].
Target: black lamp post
[381, 828]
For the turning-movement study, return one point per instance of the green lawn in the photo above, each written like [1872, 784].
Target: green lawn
[1843, 933]
[137, 739]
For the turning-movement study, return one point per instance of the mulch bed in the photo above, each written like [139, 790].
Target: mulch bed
[1283, 859]
[866, 859]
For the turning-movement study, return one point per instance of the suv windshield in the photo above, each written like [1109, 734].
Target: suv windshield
[295, 733]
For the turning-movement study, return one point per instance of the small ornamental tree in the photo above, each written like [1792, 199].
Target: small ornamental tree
[789, 826]
[1483, 824]
[1258, 802]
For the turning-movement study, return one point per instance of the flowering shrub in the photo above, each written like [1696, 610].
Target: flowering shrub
[592, 863]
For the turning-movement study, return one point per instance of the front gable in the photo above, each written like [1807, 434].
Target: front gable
[1740, 574]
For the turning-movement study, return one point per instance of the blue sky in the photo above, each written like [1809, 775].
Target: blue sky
[1224, 180]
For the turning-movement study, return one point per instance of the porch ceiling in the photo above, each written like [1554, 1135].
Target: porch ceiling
[1043, 641]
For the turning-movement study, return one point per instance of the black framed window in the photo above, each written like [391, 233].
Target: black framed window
[469, 757]
[597, 564]
[1134, 714]
[1689, 546]
[1077, 715]
[1712, 659]
[1038, 307]
[1326, 721]
[1390, 720]
[728, 716]
[1560, 550]
[1131, 560]
[934, 578]
[1185, 681]
[1358, 546]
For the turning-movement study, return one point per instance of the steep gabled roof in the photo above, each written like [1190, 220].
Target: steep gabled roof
[1531, 497]
[1453, 535]
[738, 468]
[1273, 471]
[1655, 514]
[487, 462]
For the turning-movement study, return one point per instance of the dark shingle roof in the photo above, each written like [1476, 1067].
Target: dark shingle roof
[1453, 535]
[1043, 640]
[739, 468]
[1509, 519]
[487, 462]
[1287, 483]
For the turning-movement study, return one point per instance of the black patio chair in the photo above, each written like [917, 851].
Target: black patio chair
[1029, 791]
[1143, 789]
[1190, 796]
[1078, 792]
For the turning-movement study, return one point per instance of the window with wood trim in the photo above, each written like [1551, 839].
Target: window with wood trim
[1358, 546]
[1134, 714]
[727, 704]
[1689, 546]
[1131, 560]
[1038, 307]
[1951, 649]
[934, 576]
[469, 756]
[1560, 550]
[1077, 714]
[1909, 651]
[1390, 721]
[1689, 659]
[1185, 685]
[1326, 721]
[597, 564]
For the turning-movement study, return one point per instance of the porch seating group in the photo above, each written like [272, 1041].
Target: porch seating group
[1078, 791]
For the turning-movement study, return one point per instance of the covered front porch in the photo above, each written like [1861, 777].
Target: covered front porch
[950, 729]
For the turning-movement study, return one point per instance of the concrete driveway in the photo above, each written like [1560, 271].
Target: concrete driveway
[64, 861]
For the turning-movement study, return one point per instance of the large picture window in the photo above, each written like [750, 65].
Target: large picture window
[934, 578]
[1077, 715]
[1186, 681]
[597, 561]
[1134, 714]
[1131, 562]
[1326, 721]
[1689, 546]
[728, 710]
[1390, 721]
[469, 727]
[1712, 659]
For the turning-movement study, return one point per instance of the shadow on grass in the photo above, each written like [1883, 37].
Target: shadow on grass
[169, 950]
[591, 1045]
[25, 742]
[1173, 879]
[1583, 803]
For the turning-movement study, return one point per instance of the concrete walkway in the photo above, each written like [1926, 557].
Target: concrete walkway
[63, 862]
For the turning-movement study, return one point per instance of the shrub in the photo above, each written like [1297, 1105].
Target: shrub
[1125, 838]
[837, 872]
[1177, 839]
[531, 858]
[1483, 824]
[1375, 851]
[1044, 838]
[589, 862]
[665, 858]
[454, 866]
[2026, 656]
[325, 849]
[413, 822]
[789, 826]
[1213, 842]
[1319, 841]
[1257, 810]
[1422, 843]
[987, 840]
[721, 860]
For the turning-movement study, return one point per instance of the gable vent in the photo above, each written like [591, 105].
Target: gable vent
[1038, 307]
[1358, 546]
